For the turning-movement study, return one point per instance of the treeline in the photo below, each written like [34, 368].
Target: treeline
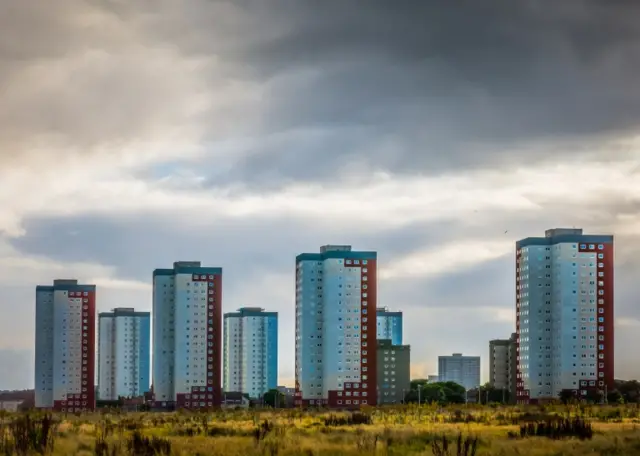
[624, 392]
[427, 392]
[423, 391]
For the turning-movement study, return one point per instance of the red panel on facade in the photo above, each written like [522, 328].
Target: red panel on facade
[522, 395]
[371, 333]
[89, 340]
[608, 312]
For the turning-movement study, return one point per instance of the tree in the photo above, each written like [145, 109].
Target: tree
[594, 396]
[489, 394]
[274, 398]
[427, 394]
[630, 390]
[567, 396]
[615, 397]
[440, 392]
[454, 393]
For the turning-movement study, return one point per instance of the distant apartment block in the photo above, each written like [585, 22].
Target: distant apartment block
[65, 346]
[187, 336]
[394, 366]
[250, 351]
[389, 325]
[502, 364]
[433, 379]
[287, 390]
[463, 370]
[124, 358]
[564, 314]
[336, 296]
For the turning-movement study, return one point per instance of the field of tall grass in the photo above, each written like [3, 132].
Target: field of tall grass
[428, 430]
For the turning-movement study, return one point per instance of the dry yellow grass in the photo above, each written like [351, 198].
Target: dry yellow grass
[403, 431]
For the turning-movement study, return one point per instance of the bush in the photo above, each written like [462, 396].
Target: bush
[139, 445]
[352, 419]
[559, 429]
[27, 434]
[463, 446]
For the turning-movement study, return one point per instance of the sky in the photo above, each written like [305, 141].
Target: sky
[242, 132]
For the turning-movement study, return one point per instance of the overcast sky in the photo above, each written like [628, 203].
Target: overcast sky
[243, 132]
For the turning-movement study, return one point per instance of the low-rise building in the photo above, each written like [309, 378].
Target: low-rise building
[393, 366]
[10, 406]
[235, 399]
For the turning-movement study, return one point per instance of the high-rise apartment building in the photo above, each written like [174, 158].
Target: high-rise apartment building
[336, 296]
[564, 314]
[502, 365]
[124, 358]
[250, 351]
[463, 370]
[187, 336]
[65, 346]
[394, 372]
[389, 325]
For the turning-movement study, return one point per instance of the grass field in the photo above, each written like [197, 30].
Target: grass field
[428, 430]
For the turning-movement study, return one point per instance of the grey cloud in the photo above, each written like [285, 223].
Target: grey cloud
[17, 369]
[411, 87]
[435, 85]
[242, 245]
[480, 286]
[84, 78]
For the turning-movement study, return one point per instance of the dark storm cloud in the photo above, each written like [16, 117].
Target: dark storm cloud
[426, 85]
[415, 86]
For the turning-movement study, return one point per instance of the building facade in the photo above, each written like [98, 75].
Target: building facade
[502, 365]
[389, 325]
[463, 370]
[124, 357]
[250, 351]
[394, 372]
[65, 346]
[187, 336]
[564, 314]
[336, 297]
